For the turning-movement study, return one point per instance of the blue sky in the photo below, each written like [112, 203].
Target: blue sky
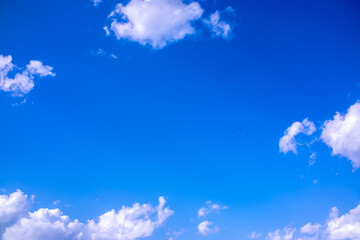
[129, 117]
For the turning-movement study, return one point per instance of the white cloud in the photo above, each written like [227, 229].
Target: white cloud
[22, 83]
[96, 2]
[342, 134]
[205, 228]
[286, 234]
[174, 235]
[287, 142]
[210, 207]
[154, 22]
[128, 223]
[160, 22]
[36, 67]
[345, 227]
[45, 224]
[254, 235]
[312, 159]
[218, 27]
[5, 66]
[101, 52]
[12, 207]
[310, 228]
[133, 222]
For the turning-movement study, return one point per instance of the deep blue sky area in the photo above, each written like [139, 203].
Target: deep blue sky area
[197, 120]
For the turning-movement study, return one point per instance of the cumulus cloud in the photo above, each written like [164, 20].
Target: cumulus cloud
[155, 22]
[22, 83]
[218, 27]
[344, 227]
[12, 207]
[160, 22]
[45, 224]
[37, 68]
[288, 142]
[342, 133]
[205, 228]
[210, 207]
[128, 223]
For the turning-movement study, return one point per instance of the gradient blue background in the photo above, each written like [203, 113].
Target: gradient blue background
[106, 132]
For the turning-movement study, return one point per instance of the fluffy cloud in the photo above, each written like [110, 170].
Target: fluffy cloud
[210, 207]
[127, 224]
[344, 227]
[37, 68]
[205, 228]
[130, 222]
[12, 207]
[287, 142]
[159, 22]
[23, 82]
[218, 27]
[155, 22]
[45, 224]
[342, 134]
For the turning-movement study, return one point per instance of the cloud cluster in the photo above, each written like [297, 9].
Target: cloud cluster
[288, 142]
[344, 227]
[205, 227]
[341, 134]
[160, 22]
[126, 224]
[22, 83]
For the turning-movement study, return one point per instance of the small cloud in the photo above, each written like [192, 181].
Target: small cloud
[312, 159]
[98, 52]
[107, 32]
[285, 234]
[96, 2]
[174, 235]
[209, 208]
[205, 228]
[288, 143]
[57, 202]
[315, 182]
[254, 235]
[217, 26]
[310, 228]
[101, 52]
